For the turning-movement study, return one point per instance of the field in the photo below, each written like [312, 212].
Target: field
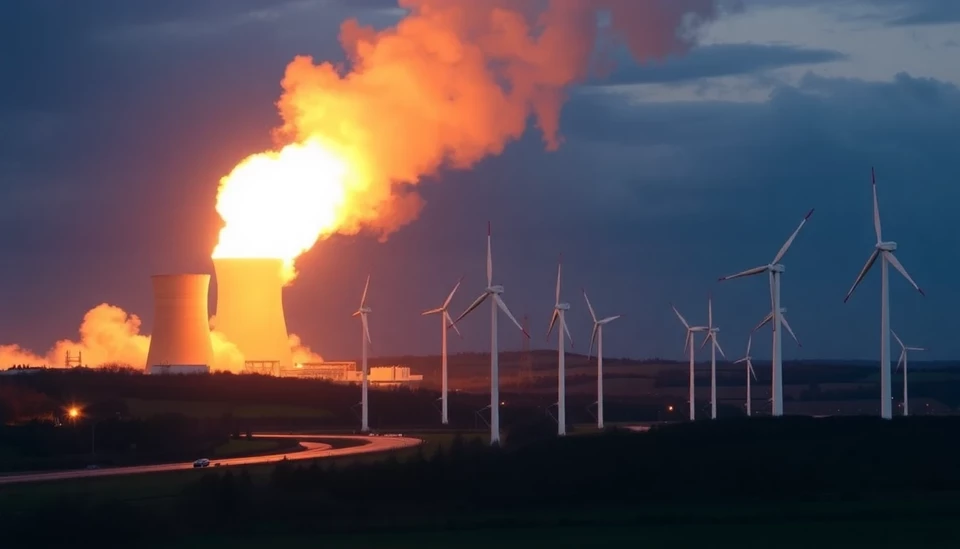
[154, 488]
[212, 410]
[891, 523]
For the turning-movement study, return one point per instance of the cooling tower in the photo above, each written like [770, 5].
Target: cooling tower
[250, 308]
[181, 326]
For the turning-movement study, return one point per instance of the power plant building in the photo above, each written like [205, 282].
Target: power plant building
[250, 308]
[181, 325]
[347, 372]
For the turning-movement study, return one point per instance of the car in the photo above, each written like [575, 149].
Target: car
[202, 462]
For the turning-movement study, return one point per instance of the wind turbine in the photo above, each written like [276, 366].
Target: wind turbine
[559, 312]
[749, 360]
[783, 319]
[445, 323]
[883, 250]
[362, 312]
[493, 292]
[597, 336]
[714, 347]
[775, 270]
[688, 342]
[903, 360]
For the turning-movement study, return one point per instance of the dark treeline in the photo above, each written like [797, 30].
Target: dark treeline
[110, 441]
[684, 466]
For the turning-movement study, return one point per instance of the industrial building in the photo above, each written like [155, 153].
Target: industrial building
[347, 372]
[181, 326]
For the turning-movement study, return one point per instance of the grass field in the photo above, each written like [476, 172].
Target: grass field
[211, 410]
[891, 523]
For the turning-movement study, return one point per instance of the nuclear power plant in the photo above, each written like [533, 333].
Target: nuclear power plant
[181, 329]
[250, 309]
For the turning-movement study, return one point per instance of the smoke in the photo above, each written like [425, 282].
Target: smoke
[111, 336]
[457, 80]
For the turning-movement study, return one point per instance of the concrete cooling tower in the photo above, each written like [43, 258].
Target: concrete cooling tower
[250, 308]
[181, 326]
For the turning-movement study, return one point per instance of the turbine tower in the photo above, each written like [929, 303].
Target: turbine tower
[903, 360]
[559, 312]
[714, 347]
[775, 270]
[597, 336]
[688, 342]
[883, 250]
[493, 292]
[749, 360]
[445, 323]
[362, 312]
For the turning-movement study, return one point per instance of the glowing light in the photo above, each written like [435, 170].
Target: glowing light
[670, 408]
[73, 412]
[277, 204]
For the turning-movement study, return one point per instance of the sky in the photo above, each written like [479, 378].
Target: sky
[118, 119]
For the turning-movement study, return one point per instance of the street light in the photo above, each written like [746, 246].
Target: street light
[73, 412]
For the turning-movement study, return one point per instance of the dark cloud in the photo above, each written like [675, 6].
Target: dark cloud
[720, 60]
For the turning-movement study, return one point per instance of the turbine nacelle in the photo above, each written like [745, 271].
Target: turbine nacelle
[778, 268]
[887, 246]
[562, 306]
[495, 289]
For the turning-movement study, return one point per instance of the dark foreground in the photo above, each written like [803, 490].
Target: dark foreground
[787, 482]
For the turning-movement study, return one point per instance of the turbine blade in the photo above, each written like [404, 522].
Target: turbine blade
[356, 313]
[686, 340]
[432, 311]
[472, 306]
[590, 307]
[916, 349]
[876, 206]
[748, 272]
[366, 327]
[559, 267]
[870, 261]
[553, 320]
[739, 360]
[719, 348]
[899, 362]
[706, 339]
[609, 319]
[489, 258]
[894, 334]
[446, 303]
[786, 245]
[899, 266]
[680, 316]
[783, 320]
[593, 339]
[450, 324]
[750, 365]
[503, 307]
[710, 311]
[749, 343]
[363, 299]
[773, 298]
[765, 320]
[563, 323]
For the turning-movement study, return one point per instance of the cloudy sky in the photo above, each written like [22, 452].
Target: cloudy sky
[119, 118]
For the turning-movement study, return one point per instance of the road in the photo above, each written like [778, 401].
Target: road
[312, 450]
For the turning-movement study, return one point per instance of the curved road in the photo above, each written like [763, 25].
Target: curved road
[312, 450]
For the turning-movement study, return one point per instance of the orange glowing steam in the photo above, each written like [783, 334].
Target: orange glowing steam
[453, 82]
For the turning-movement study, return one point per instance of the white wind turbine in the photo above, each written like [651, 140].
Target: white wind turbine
[883, 250]
[362, 312]
[445, 323]
[597, 336]
[775, 270]
[750, 373]
[903, 360]
[493, 292]
[559, 312]
[714, 347]
[688, 342]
